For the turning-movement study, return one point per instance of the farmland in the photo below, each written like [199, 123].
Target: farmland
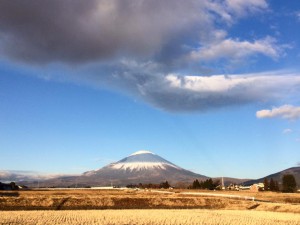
[146, 217]
[76, 199]
[87, 206]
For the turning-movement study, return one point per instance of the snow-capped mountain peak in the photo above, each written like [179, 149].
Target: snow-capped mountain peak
[142, 152]
[140, 167]
[142, 160]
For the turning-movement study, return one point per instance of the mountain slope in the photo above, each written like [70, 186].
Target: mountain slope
[141, 167]
[278, 176]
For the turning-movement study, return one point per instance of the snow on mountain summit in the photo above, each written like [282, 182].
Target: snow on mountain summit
[142, 160]
[142, 152]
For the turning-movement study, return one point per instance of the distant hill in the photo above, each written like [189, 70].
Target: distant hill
[16, 175]
[278, 176]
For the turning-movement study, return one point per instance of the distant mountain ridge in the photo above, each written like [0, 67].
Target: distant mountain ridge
[278, 176]
[16, 175]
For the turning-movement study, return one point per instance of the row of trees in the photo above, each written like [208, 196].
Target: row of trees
[208, 184]
[271, 185]
[288, 184]
[164, 185]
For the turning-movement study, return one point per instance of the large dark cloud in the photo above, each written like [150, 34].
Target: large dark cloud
[42, 31]
[80, 31]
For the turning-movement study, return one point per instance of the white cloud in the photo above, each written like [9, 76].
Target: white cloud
[241, 7]
[176, 92]
[25, 175]
[298, 15]
[230, 9]
[286, 112]
[287, 131]
[237, 50]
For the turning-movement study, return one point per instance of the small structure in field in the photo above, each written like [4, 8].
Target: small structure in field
[257, 187]
[243, 188]
[8, 187]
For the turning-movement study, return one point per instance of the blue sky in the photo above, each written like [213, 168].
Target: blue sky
[212, 86]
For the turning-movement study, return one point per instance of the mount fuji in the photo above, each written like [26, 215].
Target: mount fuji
[139, 167]
[137, 162]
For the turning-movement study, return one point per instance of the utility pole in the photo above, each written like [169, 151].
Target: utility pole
[223, 186]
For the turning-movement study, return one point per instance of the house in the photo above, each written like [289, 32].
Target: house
[233, 187]
[257, 187]
[245, 187]
[8, 187]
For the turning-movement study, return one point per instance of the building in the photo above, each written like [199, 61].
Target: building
[8, 187]
[257, 187]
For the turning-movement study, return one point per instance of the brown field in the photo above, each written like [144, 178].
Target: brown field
[147, 217]
[144, 199]
[147, 207]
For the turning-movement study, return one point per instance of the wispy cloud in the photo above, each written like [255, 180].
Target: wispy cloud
[297, 14]
[287, 131]
[230, 9]
[286, 112]
[237, 50]
[241, 7]
[26, 175]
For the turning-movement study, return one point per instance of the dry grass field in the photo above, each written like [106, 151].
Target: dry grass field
[147, 217]
[143, 199]
[147, 207]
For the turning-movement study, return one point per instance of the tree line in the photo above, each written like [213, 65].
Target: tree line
[289, 184]
[164, 185]
[271, 185]
[208, 184]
